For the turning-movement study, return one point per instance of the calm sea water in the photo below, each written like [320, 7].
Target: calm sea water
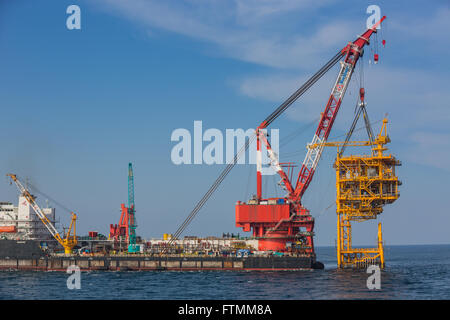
[412, 272]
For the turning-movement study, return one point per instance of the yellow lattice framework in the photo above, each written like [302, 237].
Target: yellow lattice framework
[364, 184]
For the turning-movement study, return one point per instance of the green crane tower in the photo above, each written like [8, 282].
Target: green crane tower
[132, 246]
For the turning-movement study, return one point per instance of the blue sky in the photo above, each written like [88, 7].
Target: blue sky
[78, 105]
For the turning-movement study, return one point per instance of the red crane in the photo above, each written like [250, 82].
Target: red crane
[127, 223]
[285, 219]
[122, 229]
[276, 221]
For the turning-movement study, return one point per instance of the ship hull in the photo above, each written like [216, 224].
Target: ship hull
[22, 255]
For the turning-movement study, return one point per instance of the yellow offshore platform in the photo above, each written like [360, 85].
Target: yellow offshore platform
[364, 184]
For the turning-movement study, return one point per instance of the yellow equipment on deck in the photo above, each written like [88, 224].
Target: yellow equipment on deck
[70, 239]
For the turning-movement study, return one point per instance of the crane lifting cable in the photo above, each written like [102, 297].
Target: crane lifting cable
[297, 152]
[361, 109]
[267, 121]
[213, 188]
[36, 190]
[300, 91]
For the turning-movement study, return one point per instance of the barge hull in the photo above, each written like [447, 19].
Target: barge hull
[27, 256]
[111, 263]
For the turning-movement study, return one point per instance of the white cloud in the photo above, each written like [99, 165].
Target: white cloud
[240, 28]
[253, 11]
[416, 101]
[430, 28]
[419, 98]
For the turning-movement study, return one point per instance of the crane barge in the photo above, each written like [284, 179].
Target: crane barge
[277, 223]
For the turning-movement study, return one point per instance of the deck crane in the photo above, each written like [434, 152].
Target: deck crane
[127, 223]
[132, 247]
[279, 222]
[70, 239]
[117, 231]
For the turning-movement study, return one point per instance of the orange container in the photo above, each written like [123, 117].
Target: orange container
[9, 229]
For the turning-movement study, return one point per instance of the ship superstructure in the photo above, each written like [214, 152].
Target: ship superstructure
[20, 222]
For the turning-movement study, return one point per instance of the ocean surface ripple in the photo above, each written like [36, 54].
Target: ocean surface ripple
[412, 272]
